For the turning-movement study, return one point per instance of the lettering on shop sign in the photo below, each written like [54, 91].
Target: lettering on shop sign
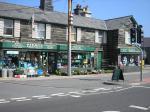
[50, 46]
[31, 45]
[77, 48]
[129, 50]
[17, 45]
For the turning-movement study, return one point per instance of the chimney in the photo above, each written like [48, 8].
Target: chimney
[78, 10]
[86, 12]
[82, 11]
[46, 5]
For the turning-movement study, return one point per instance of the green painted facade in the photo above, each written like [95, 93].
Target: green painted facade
[57, 47]
[130, 50]
[25, 45]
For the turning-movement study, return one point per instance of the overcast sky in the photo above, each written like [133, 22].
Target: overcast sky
[104, 9]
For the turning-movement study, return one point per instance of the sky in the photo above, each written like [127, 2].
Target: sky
[103, 9]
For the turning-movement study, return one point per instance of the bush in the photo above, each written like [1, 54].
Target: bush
[58, 72]
[76, 72]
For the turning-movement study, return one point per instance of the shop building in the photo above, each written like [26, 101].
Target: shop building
[38, 38]
[146, 48]
[124, 43]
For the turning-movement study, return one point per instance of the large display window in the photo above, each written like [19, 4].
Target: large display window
[83, 60]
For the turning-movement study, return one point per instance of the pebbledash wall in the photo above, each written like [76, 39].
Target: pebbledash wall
[38, 37]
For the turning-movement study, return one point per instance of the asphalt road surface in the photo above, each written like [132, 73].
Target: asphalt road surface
[129, 99]
[87, 94]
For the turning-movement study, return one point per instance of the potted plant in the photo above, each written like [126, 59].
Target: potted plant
[18, 73]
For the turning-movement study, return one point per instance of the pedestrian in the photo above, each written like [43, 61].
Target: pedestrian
[117, 74]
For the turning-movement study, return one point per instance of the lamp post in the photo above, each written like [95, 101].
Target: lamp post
[70, 22]
[141, 59]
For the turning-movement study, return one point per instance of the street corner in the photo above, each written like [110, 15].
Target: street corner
[110, 82]
[146, 81]
[137, 82]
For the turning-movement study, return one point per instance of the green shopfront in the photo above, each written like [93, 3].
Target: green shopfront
[129, 58]
[50, 56]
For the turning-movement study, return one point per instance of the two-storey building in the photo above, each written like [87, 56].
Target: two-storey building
[124, 43]
[38, 37]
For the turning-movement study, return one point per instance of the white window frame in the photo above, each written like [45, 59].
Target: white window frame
[41, 29]
[100, 36]
[127, 37]
[8, 27]
[78, 34]
[74, 34]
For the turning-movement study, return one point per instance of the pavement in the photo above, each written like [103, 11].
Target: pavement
[105, 77]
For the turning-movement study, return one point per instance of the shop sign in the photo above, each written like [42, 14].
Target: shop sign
[83, 48]
[76, 47]
[129, 50]
[12, 52]
[25, 45]
[28, 45]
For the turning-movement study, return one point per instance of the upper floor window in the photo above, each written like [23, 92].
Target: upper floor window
[8, 27]
[127, 37]
[41, 30]
[74, 34]
[100, 36]
[88, 34]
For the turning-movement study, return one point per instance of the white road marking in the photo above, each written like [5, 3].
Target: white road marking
[41, 97]
[123, 89]
[143, 87]
[98, 89]
[119, 87]
[138, 107]
[75, 96]
[76, 92]
[110, 111]
[4, 101]
[89, 91]
[19, 98]
[46, 97]
[59, 94]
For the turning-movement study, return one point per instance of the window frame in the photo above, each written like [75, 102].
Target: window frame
[101, 37]
[39, 30]
[74, 34]
[8, 27]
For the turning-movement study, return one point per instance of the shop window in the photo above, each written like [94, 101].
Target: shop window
[40, 31]
[8, 27]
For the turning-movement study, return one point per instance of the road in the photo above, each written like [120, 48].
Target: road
[87, 94]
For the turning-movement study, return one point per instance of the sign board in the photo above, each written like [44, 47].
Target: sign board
[59, 47]
[12, 52]
[129, 50]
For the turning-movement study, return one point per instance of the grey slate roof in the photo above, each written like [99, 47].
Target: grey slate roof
[23, 12]
[117, 23]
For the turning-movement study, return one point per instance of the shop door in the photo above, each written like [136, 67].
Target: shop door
[52, 62]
